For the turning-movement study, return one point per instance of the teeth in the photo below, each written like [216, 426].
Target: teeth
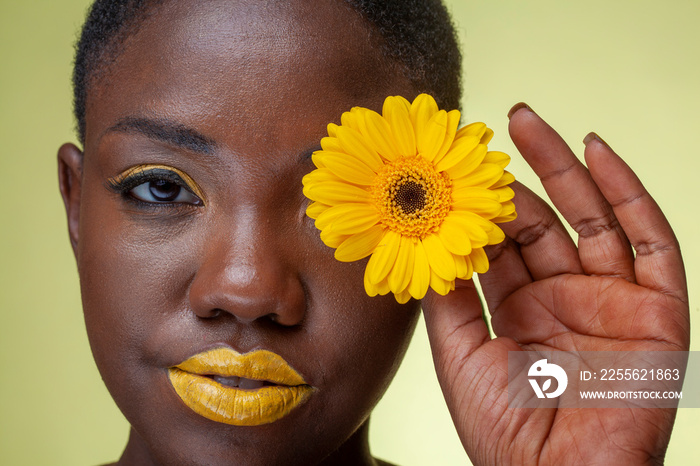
[227, 381]
[250, 384]
[238, 382]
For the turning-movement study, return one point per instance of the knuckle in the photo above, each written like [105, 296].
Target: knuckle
[495, 251]
[534, 232]
[594, 226]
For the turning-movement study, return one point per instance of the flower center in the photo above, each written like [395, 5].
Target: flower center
[409, 197]
[412, 197]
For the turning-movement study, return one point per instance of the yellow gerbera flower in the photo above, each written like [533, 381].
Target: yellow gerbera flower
[409, 189]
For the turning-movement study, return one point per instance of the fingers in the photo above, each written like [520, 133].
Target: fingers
[603, 247]
[545, 245]
[541, 248]
[658, 264]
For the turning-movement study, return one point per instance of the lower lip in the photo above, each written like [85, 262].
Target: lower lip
[236, 406]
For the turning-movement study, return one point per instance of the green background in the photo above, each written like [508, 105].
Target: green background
[626, 69]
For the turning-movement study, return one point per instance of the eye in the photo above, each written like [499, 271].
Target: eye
[157, 184]
[163, 191]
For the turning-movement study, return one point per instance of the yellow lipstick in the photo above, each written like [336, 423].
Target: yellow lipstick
[249, 389]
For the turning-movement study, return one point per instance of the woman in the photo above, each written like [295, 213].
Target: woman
[187, 219]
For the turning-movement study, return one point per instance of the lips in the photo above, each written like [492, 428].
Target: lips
[249, 389]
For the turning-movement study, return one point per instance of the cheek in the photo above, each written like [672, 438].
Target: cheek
[362, 339]
[133, 280]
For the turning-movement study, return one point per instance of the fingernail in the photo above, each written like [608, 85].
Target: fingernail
[517, 107]
[594, 137]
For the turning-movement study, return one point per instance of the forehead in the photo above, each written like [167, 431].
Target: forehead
[248, 65]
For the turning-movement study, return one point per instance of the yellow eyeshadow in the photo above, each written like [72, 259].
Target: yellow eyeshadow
[138, 169]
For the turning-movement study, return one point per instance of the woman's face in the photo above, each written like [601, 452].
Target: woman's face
[206, 244]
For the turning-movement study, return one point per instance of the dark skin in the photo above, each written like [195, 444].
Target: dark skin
[545, 293]
[246, 269]
[248, 91]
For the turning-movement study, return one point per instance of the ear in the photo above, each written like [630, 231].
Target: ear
[70, 172]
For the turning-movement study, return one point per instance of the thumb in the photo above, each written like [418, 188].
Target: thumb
[470, 366]
[456, 327]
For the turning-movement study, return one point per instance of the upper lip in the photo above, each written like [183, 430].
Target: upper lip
[257, 365]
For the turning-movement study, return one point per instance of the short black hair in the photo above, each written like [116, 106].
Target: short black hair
[420, 36]
[416, 34]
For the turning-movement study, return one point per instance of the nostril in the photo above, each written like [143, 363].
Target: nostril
[288, 317]
[212, 314]
[248, 283]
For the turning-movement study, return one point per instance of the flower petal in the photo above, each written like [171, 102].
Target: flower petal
[440, 285]
[453, 117]
[464, 193]
[347, 167]
[496, 235]
[476, 129]
[469, 164]
[380, 136]
[499, 158]
[397, 101]
[351, 119]
[453, 234]
[430, 139]
[320, 175]
[481, 231]
[360, 245]
[506, 218]
[484, 176]
[504, 194]
[353, 143]
[488, 207]
[326, 218]
[403, 297]
[479, 260]
[396, 114]
[400, 274]
[335, 192]
[316, 159]
[332, 239]
[506, 179]
[475, 226]
[422, 110]
[420, 279]
[460, 151]
[384, 257]
[331, 143]
[486, 138]
[461, 264]
[467, 270]
[332, 129]
[315, 209]
[507, 214]
[372, 289]
[439, 257]
[349, 218]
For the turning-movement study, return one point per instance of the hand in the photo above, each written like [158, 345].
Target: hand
[545, 293]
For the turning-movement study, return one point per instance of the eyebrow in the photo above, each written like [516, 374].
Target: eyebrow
[166, 131]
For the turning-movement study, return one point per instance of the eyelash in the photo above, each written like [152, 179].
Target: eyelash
[126, 183]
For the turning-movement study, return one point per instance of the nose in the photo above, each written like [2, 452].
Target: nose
[247, 271]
